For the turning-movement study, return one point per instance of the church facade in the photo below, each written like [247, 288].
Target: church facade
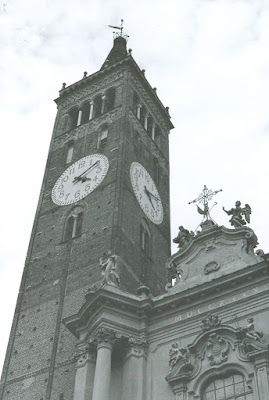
[105, 312]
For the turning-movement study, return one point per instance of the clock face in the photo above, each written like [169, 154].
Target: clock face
[80, 179]
[146, 193]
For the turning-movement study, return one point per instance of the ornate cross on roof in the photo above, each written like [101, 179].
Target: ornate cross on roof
[204, 198]
[119, 28]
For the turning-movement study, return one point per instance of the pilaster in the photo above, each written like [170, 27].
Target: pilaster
[134, 369]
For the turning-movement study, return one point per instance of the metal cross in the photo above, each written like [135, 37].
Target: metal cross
[118, 27]
[204, 198]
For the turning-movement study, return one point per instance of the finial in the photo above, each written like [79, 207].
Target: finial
[119, 28]
[143, 71]
[85, 74]
[64, 85]
[130, 52]
[204, 198]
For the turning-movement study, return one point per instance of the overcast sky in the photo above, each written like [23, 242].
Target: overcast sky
[210, 63]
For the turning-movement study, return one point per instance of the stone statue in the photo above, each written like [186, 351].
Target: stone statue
[109, 268]
[184, 237]
[237, 214]
[250, 332]
[177, 353]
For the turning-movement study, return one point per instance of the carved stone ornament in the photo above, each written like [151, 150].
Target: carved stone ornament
[211, 267]
[216, 345]
[216, 349]
[183, 238]
[211, 321]
[110, 269]
[104, 336]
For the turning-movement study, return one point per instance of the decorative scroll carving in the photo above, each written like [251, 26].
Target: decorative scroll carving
[84, 353]
[211, 267]
[214, 346]
[105, 336]
[211, 321]
[216, 349]
[251, 242]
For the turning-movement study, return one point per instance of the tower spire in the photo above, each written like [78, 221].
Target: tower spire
[118, 51]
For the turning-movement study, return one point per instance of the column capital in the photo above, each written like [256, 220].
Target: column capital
[84, 352]
[104, 337]
[137, 346]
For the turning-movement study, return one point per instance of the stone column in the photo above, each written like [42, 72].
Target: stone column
[84, 374]
[91, 110]
[103, 104]
[153, 132]
[146, 122]
[138, 110]
[79, 117]
[134, 370]
[104, 339]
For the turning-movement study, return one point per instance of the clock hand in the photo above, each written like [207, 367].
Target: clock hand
[79, 178]
[148, 193]
[151, 194]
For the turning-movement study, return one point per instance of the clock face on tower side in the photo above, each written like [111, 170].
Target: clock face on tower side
[80, 179]
[146, 193]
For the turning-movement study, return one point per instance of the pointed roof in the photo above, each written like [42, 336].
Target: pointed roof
[117, 53]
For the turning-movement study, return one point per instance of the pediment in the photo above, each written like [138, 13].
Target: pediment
[214, 252]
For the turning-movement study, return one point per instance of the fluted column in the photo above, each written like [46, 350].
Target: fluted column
[104, 338]
[84, 374]
[134, 370]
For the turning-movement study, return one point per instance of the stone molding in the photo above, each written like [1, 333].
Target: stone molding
[136, 347]
[217, 348]
[105, 337]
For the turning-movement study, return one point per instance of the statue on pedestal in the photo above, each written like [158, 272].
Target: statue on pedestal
[237, 214]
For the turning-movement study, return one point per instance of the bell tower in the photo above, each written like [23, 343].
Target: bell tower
[105, 190]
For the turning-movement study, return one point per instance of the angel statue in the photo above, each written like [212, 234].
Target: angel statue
[237, 214]
[109, 267]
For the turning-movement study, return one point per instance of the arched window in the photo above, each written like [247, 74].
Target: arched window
[231, 386]
[143, 115]
[156, 170]
[69, 149]
[102, 137]
[149, 125]
[98, 106]
[73, 118]
[157, 138]
[110, 99]
[85, 113]
[73, 225]
[145, 237]
[135, 102]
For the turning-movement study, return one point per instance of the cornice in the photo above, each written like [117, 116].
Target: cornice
[129, 60]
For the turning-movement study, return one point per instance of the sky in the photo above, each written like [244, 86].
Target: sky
[209, 60]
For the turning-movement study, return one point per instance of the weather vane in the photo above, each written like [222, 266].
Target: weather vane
[119, 28]
[204, 198]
